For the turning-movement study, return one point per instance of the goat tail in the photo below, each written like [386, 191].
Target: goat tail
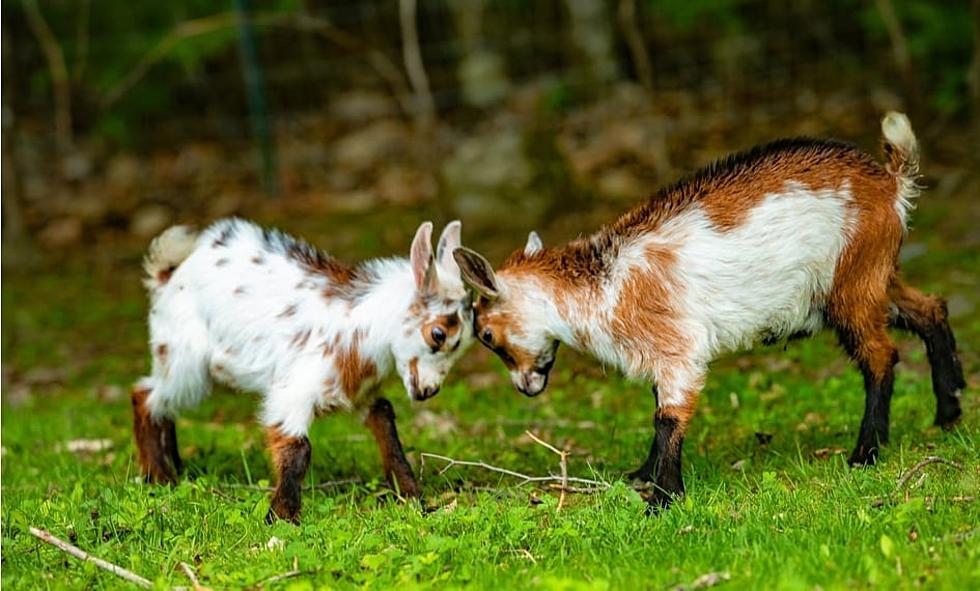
[166, 253]
[902, 154]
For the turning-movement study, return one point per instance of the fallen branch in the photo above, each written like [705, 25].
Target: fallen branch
[563, 464]
[904, 480]
[196, 585]
[83, 555]
[561, 482]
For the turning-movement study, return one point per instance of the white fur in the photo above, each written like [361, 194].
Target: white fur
[897, 131]
[263, 327]
[768, 277]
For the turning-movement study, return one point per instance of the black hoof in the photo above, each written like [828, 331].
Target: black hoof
[948, 419]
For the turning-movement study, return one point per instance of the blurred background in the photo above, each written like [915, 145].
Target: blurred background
[122, 117]
[349, 122]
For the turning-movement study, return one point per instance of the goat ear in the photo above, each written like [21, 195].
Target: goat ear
[477, 272]
[421, 257]
[449, 241]
[534, 244]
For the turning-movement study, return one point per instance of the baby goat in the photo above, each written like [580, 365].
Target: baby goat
[261, 311]
[770, 244]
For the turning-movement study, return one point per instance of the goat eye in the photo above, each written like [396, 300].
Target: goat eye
[487, 336]
[438, 335]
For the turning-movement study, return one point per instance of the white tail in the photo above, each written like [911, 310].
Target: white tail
[902, 151]
[166, 252]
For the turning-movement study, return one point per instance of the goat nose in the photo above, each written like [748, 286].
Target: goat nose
[429, 392]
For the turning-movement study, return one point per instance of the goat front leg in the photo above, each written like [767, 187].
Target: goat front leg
[291, 456]
[676, 401]
[381, 421]
[156, 440]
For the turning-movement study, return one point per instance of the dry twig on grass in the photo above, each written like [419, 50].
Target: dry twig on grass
[563, 464]
[196, 585]
[903, 483]
[83, 555]
[904, 480]
[561, 482]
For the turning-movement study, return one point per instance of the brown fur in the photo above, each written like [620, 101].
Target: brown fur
[857, 304]
[353, 370]
[726, 191]
[449, 324]
[381, 421]
[644, 320]
[156, 441]
[300, 339]
[291, 458]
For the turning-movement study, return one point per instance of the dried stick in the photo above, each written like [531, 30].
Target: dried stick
[425, 106]
[904, 480]
[563, 455]
[196, 585]
[560, 481]
[83, 555]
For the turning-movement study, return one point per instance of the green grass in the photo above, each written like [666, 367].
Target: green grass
[790, 514]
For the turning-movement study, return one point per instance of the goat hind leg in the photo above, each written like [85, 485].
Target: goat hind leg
[926, 316]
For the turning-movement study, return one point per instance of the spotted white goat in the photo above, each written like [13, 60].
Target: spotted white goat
[766, 245]
[261, 311]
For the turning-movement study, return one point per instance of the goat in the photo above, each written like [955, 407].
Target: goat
[261, 311]
[768, 244]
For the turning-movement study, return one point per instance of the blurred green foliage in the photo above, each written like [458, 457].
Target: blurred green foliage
[940, 41]
[196, 75]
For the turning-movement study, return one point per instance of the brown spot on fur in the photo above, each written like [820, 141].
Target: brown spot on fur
[163, 275]
[300, 339]
[644, 321]
[352, 369]
[162, 351]
[315, 261]
[156, 441]
[258, 259]
[413, 372]
[222, 239]
[330, 346]
[450, 325]
[290, 310]
[240, 290]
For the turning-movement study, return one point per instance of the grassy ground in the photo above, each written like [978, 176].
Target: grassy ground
[785, 513]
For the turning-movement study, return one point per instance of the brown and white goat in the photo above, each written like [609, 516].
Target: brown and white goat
[261, 311]
[769, 244]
